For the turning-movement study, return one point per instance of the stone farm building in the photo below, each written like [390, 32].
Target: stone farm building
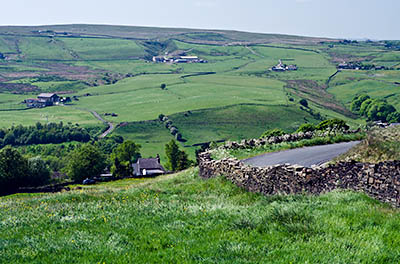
[43, 100]
[148, 167]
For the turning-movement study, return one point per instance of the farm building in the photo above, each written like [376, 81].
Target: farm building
[32, 102]
[178, 59]
[148, 167]
[49, 97]
[280, 67]
[43, 100]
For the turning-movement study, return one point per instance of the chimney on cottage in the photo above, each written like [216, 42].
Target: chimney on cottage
[158, 158]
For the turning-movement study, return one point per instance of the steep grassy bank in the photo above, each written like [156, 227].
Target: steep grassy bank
[379, 145]
[183, 219]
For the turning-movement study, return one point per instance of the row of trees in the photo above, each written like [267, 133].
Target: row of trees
[374, 109]
[42, 134]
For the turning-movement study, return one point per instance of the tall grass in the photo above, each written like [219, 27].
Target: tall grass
[379, 145]
[183, 219]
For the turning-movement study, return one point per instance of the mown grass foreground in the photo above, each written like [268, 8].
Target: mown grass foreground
[183, 219]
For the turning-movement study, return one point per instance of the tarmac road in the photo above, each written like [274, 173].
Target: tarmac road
[306, 156]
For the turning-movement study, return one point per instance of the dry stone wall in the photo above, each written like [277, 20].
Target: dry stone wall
[380, 181]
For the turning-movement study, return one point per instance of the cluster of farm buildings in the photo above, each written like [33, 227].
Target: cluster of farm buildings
[45, 99]
[358, 66]
[178, 59]
[281, 67]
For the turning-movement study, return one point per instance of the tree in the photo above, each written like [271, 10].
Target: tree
[183, 161]
[177, 159]
[123, 157]
[127, 151]
[163, 86]
[39, 173]
[13, 170]
[86, 161]
[120, 170]
[380, 110]
[365, 106]
[303, 102]
[357, 101]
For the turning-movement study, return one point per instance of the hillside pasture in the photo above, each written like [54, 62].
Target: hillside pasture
[143, 99]
[103, 49]
[53, 114]
[152, 135]
[234, 122]
[374, 88]
[311, 65]
[181, 218]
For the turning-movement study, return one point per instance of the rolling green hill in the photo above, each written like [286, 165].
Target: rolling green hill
[235, 95]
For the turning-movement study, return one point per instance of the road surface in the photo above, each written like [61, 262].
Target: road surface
[307, 156]
[96, 115]
[110, 125]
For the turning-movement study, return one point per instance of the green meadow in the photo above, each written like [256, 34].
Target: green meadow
[181, 218]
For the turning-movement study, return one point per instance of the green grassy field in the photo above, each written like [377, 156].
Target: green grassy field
[53, 114]
[78, 58]
[379, 85]
[151, 135]
[234, 122]
[183, 219]
[141, 98]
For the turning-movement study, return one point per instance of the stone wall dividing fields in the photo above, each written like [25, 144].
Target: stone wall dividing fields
[380, 181]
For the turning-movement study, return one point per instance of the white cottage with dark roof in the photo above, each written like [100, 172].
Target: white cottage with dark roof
[148, 167]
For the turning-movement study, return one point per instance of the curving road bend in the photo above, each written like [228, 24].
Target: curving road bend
[307, 156]
[110, 125]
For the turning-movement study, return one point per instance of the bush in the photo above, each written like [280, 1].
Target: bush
[86, 161]
[163, 86]
[273, 133]
[332, 124]
[306, 128]
[304, 102]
